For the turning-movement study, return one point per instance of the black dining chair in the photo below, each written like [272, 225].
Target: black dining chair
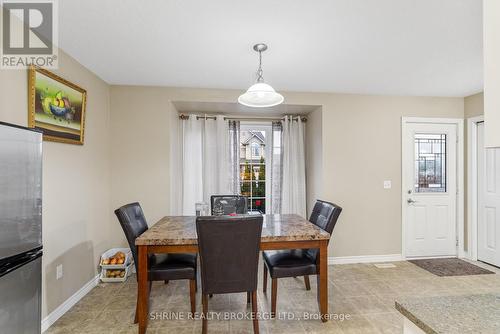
[161, 267]
[228, 204]
[229, 257]
[299, 262]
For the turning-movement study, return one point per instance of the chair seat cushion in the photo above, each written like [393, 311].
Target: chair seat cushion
[172, 267]
[289, 263]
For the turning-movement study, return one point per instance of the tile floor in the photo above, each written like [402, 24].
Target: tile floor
[362, 293]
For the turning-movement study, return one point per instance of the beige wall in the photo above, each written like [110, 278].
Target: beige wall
[76, 184]
[474, 105]
[361, 147]
[140, 142]
[314, 157]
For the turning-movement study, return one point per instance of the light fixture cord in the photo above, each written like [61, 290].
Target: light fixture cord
[260, 77]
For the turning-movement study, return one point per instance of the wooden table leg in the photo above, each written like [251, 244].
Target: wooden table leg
[322, 278]
[143, 289]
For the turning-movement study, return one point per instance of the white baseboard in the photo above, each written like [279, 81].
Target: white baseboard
[68, 303]
[365, 259]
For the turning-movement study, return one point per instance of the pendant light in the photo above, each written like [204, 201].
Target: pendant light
[260, 94]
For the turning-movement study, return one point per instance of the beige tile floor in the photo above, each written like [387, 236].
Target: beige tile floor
[362, 293]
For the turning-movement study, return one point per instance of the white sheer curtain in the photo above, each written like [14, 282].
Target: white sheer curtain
[205, 160]
[293, 192]
[234, 157]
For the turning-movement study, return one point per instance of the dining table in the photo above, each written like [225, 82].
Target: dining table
[177, 234]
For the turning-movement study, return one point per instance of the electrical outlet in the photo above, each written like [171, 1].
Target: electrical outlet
[387, 184]
[59, 271]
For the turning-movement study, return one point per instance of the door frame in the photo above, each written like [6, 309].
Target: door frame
[472, 195]
[459, 122]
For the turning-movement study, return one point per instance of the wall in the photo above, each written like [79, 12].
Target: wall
[314, 157]
[361, 147]
[474, 105]
[76, 184]
[140, 141]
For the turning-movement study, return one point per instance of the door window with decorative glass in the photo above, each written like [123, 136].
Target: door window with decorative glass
[430, 163]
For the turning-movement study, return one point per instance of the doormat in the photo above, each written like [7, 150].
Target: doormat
[450, 267]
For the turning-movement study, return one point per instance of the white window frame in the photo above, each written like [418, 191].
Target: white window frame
[254, 146]
[267, 127]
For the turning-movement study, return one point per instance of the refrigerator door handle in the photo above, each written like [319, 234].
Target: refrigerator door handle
[10, 264]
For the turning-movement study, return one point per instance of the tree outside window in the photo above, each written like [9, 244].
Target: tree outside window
[253, 168]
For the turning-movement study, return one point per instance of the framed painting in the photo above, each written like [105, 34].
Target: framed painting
[56, 106]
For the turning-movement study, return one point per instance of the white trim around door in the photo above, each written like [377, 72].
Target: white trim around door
[472, 186]
[405, 121]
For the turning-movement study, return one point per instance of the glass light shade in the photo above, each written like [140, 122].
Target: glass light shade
[260, 95]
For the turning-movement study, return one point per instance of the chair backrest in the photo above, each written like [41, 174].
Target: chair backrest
[325, 216]
[133, 223]
[229, 204]
[229, 252]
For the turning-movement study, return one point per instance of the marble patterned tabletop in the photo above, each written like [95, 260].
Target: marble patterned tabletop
[181, 230]
[454, 314]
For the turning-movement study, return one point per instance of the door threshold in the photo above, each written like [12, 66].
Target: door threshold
[431, 257]
[489, 264]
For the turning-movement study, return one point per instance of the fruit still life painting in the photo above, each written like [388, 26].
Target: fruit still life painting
[57, 107]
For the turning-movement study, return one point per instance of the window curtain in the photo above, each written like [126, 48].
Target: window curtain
[234, 157]
[206, 161]
[293, 192]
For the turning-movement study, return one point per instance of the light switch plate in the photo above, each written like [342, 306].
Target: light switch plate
[387, 184]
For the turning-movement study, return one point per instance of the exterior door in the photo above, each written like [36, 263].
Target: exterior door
[488, 180]
[429, 189]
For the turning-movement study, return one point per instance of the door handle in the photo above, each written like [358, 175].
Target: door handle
[411, 201]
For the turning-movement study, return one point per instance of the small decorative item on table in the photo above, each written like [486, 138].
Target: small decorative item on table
[201, 209]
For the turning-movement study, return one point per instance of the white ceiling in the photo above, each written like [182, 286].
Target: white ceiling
[394, 47]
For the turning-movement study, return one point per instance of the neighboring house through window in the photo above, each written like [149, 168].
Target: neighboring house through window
[255, 140]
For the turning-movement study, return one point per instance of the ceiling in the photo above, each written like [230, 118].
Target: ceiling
[389, 47]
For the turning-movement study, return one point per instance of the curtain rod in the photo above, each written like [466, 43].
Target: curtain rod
[250, 119]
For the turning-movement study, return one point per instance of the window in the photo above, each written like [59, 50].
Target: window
[255, 150]
[253, 177]
[430, 163]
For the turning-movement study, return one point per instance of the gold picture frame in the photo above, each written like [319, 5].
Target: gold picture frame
[56, 107]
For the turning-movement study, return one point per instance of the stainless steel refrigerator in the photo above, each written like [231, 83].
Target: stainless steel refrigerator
[20, 230]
